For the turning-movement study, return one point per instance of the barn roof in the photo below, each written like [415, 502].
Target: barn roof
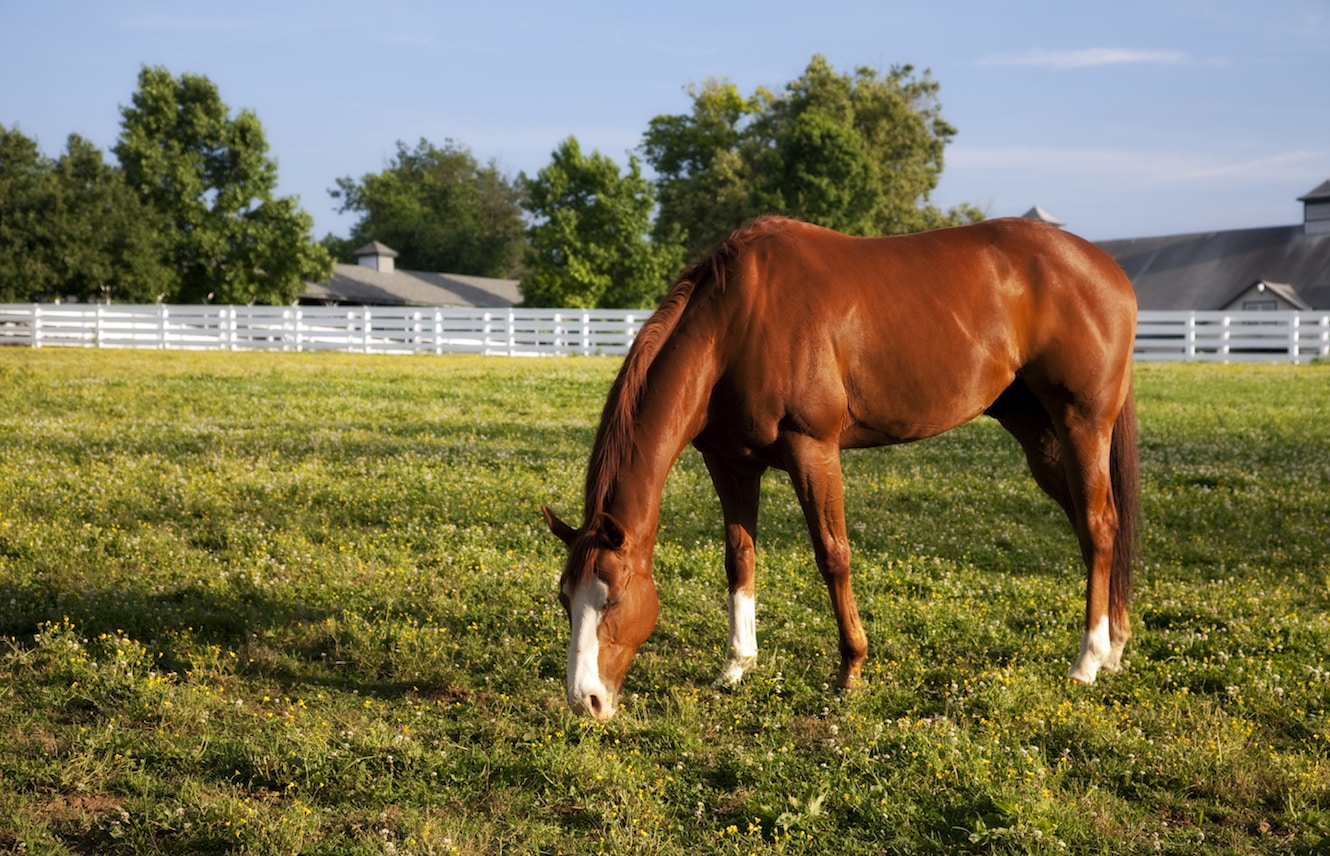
[374, 248]
[356, 284]
[1319, 193]
[1204, 270]
[1037, 213]
[1282, 290]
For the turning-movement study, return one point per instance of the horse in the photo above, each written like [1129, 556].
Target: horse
[790, 342]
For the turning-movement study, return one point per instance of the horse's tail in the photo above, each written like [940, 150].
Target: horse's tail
[1124, 477]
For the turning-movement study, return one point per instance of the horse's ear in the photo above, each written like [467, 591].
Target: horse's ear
[565, 533]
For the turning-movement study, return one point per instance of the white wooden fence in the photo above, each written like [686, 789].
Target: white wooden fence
[1217, 336]
[1210, 336]
[359, 329]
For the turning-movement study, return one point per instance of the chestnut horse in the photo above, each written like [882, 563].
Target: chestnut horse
[791, 342]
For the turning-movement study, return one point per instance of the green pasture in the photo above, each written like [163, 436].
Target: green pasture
[295, 603]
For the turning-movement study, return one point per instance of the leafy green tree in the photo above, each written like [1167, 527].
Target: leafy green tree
[27, 188]
[71, 228]
[857, 152]
[823, 173]
[113, 245]
[230, 239]
[705, 163]
[440, 210]
[589, 244]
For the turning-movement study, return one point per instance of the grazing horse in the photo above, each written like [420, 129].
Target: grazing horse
[791, 342]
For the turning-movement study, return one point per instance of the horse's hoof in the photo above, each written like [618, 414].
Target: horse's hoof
[849, 681]
[734, 673]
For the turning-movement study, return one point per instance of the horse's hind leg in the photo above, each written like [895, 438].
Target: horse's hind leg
[1069, 458]
[739, 490]
[1087, 442]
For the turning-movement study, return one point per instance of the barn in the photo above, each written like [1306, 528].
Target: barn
[1264, 269]
[375, 281]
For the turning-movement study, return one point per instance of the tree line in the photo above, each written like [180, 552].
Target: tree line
[189, 212]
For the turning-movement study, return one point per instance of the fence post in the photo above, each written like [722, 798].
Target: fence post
[97, 330]
[1189, 348]
[1294, 332]
[36, 325]
[1324, 325]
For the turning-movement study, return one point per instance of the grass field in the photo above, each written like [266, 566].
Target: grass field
[265, 603]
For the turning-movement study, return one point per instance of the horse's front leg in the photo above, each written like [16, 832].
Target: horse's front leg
[739, 488]
[815, 471]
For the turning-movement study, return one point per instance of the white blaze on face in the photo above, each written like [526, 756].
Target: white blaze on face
[585, 687]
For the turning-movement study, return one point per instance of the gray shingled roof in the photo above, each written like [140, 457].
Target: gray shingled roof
[355, 284]
[374, 248]
[1282, 290]
[1321, 192]
[1205, 270]
[1037, 213]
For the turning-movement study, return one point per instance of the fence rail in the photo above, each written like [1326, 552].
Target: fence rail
[1160, 336]
[1225, 337]
[360, 329]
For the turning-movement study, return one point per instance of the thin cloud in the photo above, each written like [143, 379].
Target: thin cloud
[186, 24]
[1088, 58]
[1136, 166]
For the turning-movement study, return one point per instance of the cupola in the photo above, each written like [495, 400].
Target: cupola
[1037, 213]
[1316, 211]
[377, 256]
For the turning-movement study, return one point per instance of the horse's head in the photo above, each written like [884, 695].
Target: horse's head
[609, 595]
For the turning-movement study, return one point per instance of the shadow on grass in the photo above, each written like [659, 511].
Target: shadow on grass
[265, 638]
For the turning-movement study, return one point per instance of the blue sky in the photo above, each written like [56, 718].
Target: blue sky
[1124, 119]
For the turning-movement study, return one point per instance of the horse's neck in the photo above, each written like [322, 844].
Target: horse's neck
[670, 413]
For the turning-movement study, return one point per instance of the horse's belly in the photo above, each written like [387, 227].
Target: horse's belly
[858, 436]
[894, 399]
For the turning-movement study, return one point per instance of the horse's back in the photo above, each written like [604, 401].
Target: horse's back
[898, 338]
[991, 263]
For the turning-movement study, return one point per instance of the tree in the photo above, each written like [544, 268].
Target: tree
[705, 165]
[230, 240]
[856, 152]
[440, 210]
[71, 228]
[590, 245]
[27, 187]
[113, 245]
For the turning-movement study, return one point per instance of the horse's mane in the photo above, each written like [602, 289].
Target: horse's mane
[618, 422]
